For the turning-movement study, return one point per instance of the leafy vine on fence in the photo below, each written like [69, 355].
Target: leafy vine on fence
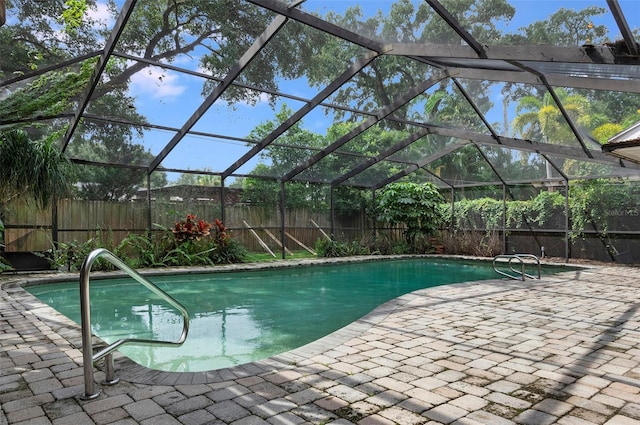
[592, 206]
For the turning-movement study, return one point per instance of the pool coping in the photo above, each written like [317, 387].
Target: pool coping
[132, 372]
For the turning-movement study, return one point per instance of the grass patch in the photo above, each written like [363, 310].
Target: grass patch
[262, 257]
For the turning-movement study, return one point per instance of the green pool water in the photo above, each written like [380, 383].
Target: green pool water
[241, 317]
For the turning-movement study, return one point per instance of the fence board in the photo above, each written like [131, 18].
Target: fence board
[81, 220]
[29, 229]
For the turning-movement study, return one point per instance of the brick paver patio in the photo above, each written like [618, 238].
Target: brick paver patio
[563, 350]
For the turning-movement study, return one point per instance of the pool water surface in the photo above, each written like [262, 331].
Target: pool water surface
[240, 317]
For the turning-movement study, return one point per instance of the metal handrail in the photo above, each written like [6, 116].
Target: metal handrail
[85, 311]
[520, 274]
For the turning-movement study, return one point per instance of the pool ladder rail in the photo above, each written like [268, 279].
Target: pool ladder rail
[512, 273]
[88, 357]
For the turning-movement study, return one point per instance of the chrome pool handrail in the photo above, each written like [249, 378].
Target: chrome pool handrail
[520, 274]
[88, 358]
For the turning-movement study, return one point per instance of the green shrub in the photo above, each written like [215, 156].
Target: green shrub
[230, 253]
[4, 264]
[71, 255]
[414, 206]
[330, 248]
[189, 243]
[401, 247]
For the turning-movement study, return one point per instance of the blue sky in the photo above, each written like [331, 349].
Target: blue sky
[169, 98]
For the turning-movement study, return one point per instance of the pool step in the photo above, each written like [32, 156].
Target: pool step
[512, 273]
[88, 356]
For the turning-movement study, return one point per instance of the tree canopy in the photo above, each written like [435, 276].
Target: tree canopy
[207, 39]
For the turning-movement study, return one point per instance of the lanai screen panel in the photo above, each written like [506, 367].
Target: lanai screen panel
[277, 160]
[375, 173]
[464, 166]
[110, 142]
[422, 175]
[518, 166]
[138, 93]
[528, 22]
[43, 103]
[427, 148]
[226, 87]
[451, 105]
[584, 170]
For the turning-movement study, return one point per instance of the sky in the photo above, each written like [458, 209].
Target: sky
[169, 98]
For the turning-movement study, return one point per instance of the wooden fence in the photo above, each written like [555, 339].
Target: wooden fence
[29, 229]
[259, 229]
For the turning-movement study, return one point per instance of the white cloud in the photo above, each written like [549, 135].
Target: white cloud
[153, 82]
[263, 98]
[102, 14]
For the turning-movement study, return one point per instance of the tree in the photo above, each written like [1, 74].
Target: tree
[291, 149]
[541, 118]
[391, 76]
[616, 107]
[35, 169]
[568, 27]
[414, 205]
[101, 144]
[158, 31]
[218, 32]
[294, 146]
[190, 179]
[47, 97]
[565, 27]
[43, 33]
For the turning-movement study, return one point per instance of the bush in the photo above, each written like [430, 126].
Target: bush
[330, 248]
[194, 243]
[4, 265]
[415, 206]
[475, 243]
[401, 247]
[334, 248]
[189, 243]
[71, 255]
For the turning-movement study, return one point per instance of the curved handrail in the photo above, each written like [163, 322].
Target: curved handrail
[521, 274]
[533, 257]
[85, 311]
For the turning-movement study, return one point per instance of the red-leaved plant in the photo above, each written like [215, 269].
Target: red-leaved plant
[190, 229]
[220, 235]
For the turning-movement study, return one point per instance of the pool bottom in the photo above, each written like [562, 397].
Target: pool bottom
[241, 317]
[132, 372]
[138, 374]
[305, 349]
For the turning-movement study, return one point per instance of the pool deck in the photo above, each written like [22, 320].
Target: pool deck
[564, 349]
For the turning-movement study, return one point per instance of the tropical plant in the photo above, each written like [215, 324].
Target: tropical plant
[593, 204]
[189, 229]
[330, 248]
[71, 255]
[36, 170]
[189, 243]
[334, 248]
[416, 206]
[540, 117]
[4, 264]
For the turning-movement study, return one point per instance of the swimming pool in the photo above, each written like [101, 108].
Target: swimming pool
[240, 317]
